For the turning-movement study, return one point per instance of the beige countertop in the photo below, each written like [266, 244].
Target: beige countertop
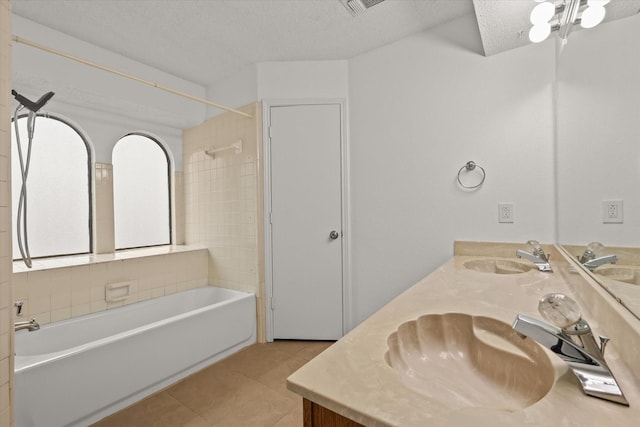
[353, 379]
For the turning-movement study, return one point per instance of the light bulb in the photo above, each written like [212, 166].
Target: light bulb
[592, 16]
[539, 32]
[542, 13]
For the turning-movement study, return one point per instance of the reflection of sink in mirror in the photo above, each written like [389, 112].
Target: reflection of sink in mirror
[497, 266]
[622, 279]
[469, 361]
[626, 274]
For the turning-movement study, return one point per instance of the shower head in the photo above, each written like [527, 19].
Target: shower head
[30, 105]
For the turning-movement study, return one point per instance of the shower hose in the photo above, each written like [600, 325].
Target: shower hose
[21, 223]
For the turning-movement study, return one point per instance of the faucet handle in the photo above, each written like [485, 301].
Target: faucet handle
[536, 249]
[603, 343]
[18, 305]
[595, 248]
[559, 310]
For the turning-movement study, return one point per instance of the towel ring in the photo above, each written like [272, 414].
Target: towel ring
[469, 166]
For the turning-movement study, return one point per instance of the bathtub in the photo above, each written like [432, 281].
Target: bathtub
[77, 371]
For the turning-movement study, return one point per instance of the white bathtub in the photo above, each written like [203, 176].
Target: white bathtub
[77, 371]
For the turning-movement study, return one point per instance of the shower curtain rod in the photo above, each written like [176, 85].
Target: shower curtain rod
[128, 76]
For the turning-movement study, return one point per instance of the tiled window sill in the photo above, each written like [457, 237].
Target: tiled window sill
[87, 259]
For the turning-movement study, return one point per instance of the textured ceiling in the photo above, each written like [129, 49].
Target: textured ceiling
[206, 40]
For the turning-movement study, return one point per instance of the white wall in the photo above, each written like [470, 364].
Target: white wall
[104, 105]
[302, 79]
[235, 91]
[281, 80]
[599, 133]
[419, 110]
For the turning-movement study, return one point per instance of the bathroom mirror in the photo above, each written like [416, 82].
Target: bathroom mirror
[598, 146]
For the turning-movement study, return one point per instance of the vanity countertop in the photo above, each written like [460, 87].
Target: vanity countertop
[353, 379]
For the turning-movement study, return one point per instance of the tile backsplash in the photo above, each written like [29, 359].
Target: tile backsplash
[104, 240]
[61, 288]
[223, 201]
[221, 198]
[6, 336]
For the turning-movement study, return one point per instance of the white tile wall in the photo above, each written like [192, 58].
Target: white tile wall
[177, 220]
[223, 201]
[221, 198]
[6, 334]
[104, 229]
[75, 285]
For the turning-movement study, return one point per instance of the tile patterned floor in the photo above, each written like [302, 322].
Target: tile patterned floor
[246, 389]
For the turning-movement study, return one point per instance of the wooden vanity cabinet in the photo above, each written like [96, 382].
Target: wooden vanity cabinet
[315, 415]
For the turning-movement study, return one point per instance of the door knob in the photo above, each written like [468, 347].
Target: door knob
[334, 235]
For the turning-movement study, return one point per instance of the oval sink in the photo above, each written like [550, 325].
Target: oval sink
[624, 274]
[497, 266]
[469, 361]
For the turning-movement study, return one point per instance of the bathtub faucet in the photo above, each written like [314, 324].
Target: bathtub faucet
[31, 325]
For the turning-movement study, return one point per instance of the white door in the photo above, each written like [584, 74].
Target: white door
[306, 221]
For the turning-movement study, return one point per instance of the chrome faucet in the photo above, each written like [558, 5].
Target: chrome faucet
[573, 341]
[591, 258]
[31, 325]
[536, 256]
[597, 262]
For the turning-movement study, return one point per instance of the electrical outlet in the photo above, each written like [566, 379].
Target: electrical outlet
[505, 212]
[612, 211]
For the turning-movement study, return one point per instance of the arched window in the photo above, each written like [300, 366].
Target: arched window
[141, 195]
[58, 188]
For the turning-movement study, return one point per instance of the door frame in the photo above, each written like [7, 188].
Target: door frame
[344, 178]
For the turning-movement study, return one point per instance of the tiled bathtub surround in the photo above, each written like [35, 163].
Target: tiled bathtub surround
[104, 230]
[63, 287]
[6, 337]
[177, 211]
[223, 201]
[60, 288]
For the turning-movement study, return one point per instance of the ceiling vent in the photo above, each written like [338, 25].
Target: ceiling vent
[358, 7]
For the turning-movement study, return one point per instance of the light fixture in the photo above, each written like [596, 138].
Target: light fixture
[358, 7]
[542, 13]
[539, 32]
[592, 16]
[562, 15]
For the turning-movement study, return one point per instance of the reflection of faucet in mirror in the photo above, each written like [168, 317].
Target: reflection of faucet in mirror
[593, 256]
[571, 339]
[589, 178]
[536, 256]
